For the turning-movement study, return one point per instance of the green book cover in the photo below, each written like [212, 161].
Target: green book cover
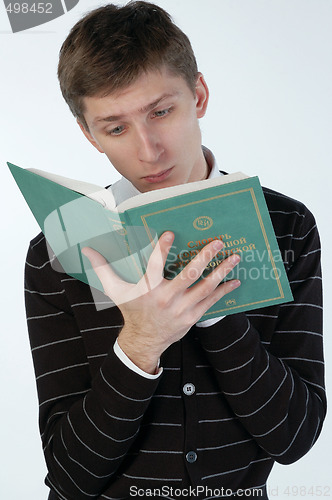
[231, 208]
[71, 220]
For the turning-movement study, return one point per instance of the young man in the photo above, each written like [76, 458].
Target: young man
[143, 399]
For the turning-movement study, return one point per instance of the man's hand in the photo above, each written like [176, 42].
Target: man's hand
[158, 312]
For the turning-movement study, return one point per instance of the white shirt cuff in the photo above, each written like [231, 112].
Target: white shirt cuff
[209, 322]
[125, 360]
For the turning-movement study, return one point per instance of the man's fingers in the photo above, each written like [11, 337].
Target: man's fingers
[157, 261]
[209, 290]
[96, 259]
[207, 285]
[108, 278]
[195, 268]
[223, 269]
[217, 294]
[118, 290]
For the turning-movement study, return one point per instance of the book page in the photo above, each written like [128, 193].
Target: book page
[93, 191]
[169, 192]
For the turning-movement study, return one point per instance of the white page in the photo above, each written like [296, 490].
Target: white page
[164, 193]
[97, 193]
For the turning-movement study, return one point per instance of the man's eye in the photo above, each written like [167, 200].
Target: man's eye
[116, 131]
[161, 113]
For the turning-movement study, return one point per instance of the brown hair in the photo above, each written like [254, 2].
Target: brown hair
[112, 46]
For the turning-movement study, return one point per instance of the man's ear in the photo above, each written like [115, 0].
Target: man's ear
[202, 96]
[89, 136]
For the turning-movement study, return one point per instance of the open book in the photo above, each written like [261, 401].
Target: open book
[74, 214]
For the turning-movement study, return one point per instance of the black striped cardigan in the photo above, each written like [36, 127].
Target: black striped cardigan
[257, 395]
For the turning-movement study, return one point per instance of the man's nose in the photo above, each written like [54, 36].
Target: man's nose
[148, 145]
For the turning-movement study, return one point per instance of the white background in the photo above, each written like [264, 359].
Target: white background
[268, 65]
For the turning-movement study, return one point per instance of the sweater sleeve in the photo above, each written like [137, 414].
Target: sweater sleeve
[87, 423]
[274, 379]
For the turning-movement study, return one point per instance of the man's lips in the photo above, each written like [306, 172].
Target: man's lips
[158, 177]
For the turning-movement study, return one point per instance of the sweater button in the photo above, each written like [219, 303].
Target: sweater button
[189, 389]
[191, 457]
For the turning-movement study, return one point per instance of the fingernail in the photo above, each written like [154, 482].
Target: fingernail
[168, 236]
[218, 245]
[235, 283]
[235, 259]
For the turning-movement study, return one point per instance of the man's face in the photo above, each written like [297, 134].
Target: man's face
[150, 131]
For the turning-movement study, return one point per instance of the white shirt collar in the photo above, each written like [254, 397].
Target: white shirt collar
[124, 189]
[212, 163]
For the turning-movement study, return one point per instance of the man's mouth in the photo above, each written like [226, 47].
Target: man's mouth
[159, 177]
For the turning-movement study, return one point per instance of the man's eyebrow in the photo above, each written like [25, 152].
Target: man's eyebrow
[155, 103]
[145, 109]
